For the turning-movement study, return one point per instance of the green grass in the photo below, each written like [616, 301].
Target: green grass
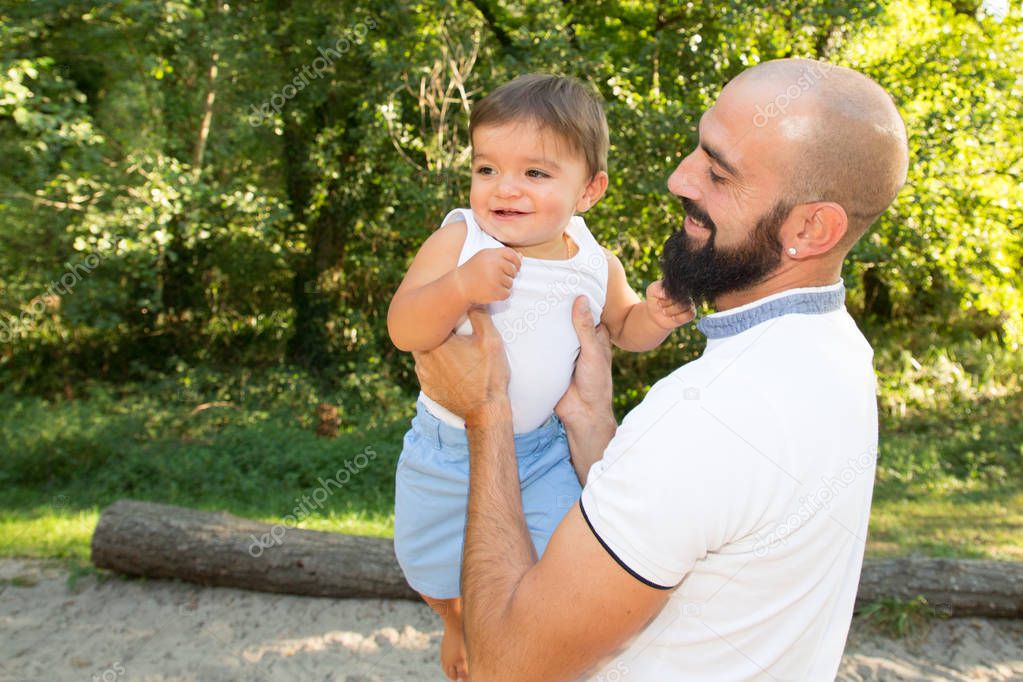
[898, 618]
[979, 524]
[950, 469]
[948, 480]
[254, 455]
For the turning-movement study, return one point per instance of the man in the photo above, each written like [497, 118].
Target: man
[722, 525]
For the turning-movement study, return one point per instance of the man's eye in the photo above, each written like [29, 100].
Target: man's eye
[536, 173]
[714, 177]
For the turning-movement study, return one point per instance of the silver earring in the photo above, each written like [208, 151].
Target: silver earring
[792, 251]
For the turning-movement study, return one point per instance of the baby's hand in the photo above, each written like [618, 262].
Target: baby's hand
[488, 276]
[665, 312]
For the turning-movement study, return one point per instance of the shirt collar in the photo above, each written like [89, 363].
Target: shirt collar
[805, 301]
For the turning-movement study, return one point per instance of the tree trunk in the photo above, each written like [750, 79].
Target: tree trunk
[309, 345]
[327, 229]
[207, 115]
[160, 541]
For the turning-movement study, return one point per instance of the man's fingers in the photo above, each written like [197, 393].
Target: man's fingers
[603, 336]
[582, 318]
[482, 325]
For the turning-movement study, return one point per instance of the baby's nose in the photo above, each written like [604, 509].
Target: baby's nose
[508, 187]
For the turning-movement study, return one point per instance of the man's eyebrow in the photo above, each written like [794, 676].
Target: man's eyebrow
[718, 158]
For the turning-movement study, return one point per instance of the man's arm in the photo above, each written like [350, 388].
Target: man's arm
[553, 619]
[524, 619]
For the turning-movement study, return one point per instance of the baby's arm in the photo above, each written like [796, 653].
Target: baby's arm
[635, 324]
[436, 291]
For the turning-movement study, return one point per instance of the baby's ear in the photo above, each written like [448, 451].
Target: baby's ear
[595, 189]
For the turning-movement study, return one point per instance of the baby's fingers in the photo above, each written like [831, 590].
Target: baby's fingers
[512, 256]
[679, 314]
[684, 316]
[656, 291]
[669, 307]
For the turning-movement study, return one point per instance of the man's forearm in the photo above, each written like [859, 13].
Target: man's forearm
[498, 549]
[588, 436]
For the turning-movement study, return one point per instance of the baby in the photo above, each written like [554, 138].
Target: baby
[539, 158]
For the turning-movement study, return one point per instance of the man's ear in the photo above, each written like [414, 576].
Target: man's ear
[813, 229]
[595, 189]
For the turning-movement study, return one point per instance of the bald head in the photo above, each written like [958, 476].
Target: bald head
[840, 137]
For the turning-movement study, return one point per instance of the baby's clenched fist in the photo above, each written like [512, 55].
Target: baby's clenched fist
[665, 312]
[488, 276]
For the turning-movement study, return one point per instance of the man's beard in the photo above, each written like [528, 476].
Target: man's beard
[703, 273]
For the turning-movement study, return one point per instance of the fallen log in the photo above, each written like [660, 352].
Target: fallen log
[216, 548]
[952, 587]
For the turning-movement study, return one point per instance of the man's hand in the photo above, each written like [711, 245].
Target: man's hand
[590, 391]
[488, 276]
[585, 409]
[466, 374]
[666, 313]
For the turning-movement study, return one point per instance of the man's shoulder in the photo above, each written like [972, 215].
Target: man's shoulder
[785, 347]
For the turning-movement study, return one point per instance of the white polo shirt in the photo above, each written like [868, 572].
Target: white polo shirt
[743, 480]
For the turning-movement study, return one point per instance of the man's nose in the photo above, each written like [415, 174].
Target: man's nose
[682, 181]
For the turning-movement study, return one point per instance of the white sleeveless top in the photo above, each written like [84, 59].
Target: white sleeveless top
[535, 322]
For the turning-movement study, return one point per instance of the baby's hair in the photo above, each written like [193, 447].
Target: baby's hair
[559, 104]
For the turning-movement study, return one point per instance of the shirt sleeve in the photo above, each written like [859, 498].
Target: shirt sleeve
[675, 483]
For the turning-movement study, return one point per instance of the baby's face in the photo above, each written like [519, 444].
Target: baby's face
[526, 185]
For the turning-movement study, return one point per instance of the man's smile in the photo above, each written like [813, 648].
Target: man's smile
[695, 227]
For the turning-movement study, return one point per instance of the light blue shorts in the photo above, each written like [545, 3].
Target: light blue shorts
[431, 495]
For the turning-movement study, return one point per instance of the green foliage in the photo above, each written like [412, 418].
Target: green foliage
[950, 249]
[337, 140]
[949, 412]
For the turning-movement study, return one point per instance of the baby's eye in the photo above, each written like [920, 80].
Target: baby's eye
[537, 173]
[485, 170]
[714, 177]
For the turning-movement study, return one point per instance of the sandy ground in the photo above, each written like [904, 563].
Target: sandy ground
[118, 630]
